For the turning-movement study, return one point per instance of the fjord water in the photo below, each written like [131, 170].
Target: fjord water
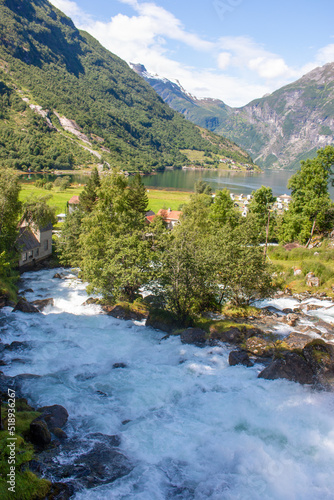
[197, 428]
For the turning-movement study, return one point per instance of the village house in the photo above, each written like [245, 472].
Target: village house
[34, 243]
[170, 217]
[73, 203]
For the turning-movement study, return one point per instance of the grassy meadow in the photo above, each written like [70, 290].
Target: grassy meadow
[157, 198]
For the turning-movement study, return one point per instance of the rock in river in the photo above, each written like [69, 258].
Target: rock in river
[24, 306]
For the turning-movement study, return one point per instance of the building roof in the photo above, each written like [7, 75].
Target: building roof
[150, 218]
[169, 215]
[74, 200]
[27, 240]
[48, 227]
[149, 212]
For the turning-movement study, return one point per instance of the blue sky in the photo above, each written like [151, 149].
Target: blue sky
[234, 50]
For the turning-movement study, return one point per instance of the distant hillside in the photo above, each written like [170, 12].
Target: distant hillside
[67, 101]
[277, 130]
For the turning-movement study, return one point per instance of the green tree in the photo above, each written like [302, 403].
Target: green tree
[89, 194]
[10, 208]
[37, 211]
[260, 205]
[223, 210]
[202, 187]
[137, 197]
[68, 243]
[310, 208]
[116, 255]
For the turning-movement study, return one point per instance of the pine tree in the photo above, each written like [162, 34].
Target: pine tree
[89, 194]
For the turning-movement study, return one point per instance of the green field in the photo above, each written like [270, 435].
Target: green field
[59, 198]
[157, 199]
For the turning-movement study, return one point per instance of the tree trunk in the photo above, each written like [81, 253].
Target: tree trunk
[267, 236]
[310, 238]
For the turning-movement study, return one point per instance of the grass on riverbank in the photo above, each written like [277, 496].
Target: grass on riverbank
[157, 198]
[318, 260]
[27, 485]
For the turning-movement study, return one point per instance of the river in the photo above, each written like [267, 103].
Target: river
[194, 427]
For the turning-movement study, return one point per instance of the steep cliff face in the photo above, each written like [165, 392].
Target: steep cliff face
[278, 130]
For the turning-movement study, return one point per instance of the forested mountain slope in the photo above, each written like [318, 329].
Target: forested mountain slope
[104, 112]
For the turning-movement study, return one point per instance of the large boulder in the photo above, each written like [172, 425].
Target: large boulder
[39, 434]
[291, 366]
[296, 340]
[233, 334]
[90, 301]
[239, 358]
[259, 346]
[24, 306]
[195, 336]
[312, 280]
[54, 416]
[161, 319]
[43, 303]
[320, 356]
[123, 312]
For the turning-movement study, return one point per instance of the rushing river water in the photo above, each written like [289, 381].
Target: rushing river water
[197, 428]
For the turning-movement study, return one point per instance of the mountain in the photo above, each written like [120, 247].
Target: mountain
[277, 130]
[67, 102]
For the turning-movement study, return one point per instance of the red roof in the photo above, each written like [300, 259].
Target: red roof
[74, 200]
[150, 218]
[169, 215]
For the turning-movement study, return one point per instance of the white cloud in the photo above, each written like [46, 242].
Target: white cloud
[223, 60]
[238, 68]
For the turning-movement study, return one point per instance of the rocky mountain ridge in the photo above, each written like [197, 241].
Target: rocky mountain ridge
[277, 130]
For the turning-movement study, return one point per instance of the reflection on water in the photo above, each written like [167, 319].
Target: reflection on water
[184, 180]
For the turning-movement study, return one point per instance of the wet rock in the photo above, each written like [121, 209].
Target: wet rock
[58, 276]
[121, 312]
[104, 464]
[25, 376]
[232, 335]
[24, 306]
[61, 491]
[259, 346]
[320, 356]
[291, 319]
[310, 330]
[43, 303]
[327, 336]
[86, 463]
[272, 310]
[195, 336]
[39, 434]
[290, 366]
[90, 301]
[59, 433]
[287, 310]
[28, 290]
[16, 345]
[54, 416]
[160, 319]
[312, 280]
[297, 340]
[119, 365]
[312, 307]
[239, 358]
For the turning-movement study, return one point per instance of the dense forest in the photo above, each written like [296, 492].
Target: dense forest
[45, 60]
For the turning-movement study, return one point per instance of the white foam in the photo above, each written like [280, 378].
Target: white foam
[199, 429]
